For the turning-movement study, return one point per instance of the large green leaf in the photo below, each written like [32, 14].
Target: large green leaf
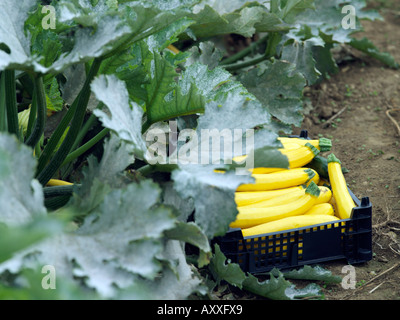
[124, 116]
[98, 28]
[245, 19]
[316, 273]
[365, 45]
[14, 44]
[192, 234]
[120, 240]
[276, 288]
[179, 279]
[16, 238]
[279, 88]
[327, 18]
[21, 197]
[212, 193]
[87, 43]
[101, 177]
[206, 53]
[165, 99]
[300, 53]
[288, 10]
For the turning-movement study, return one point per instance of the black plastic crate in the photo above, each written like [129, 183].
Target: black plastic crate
[349, 239]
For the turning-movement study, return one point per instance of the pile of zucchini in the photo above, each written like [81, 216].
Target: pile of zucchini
[312, 191]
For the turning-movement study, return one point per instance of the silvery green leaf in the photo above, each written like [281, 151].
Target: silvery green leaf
[328, 17]
[216, 19]
[21, 196]
[279, 88]
[87, 43]
[206, 53]
[212, 193]
[101, 177]
[124, 117]
[316, 273]
[300, 54]
[275, 288]
[14, 44]
[119, 240]
[179, 280]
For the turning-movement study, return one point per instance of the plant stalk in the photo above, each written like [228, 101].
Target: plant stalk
[249, 63]
[3, 114]
[82, 149]
[11, 102]
[241, 54]
[32, 115]
[82, 101]
[86, 127]
[41, 112]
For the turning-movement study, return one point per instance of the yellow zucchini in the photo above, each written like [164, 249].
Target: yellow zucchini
[290, 146]
[301, 156]
[322, 144]
[279, 180]
[343, 199]
[314, 179]
[246, 198]
[56, 182]
[288, 223]
[279, 200]
[262, 170]
[325, 194]
[321, 208]
[249, 217]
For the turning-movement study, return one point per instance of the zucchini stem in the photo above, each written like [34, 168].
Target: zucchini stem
[82, 149]
[86, 127]
[82, 101]
[241, 54]
[32, 115]
[40, 98]
[249, 63]
[11, 102]
[3, 112]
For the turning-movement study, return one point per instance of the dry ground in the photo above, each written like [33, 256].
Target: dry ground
[366, 139]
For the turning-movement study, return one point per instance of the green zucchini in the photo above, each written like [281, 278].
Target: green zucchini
[320, 165]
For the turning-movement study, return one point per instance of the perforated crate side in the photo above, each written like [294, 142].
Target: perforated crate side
[349, 239]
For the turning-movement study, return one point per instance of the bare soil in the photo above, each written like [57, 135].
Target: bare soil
[358, 109]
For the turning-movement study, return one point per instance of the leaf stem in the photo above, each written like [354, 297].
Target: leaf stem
[86, 127]
[56, 136]
[273, 41]
[11, 102]
[3, 114]
[241, 54]
[146, 126]
[41, 112]
[249, 63]
[146, 169]
[82, 149]
[32, 115]
[76, 124]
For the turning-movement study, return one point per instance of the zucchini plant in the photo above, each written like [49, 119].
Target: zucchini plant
[95, 87]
